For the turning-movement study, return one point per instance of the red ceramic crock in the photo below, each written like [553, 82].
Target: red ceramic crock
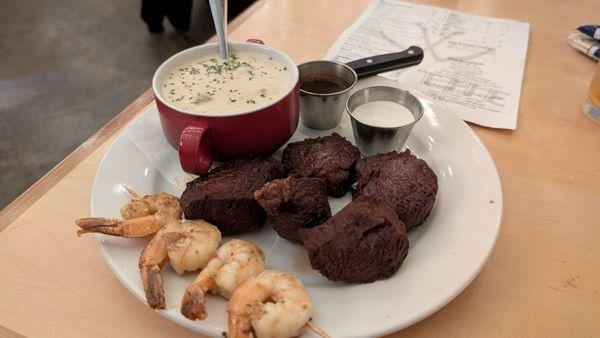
[202, 138]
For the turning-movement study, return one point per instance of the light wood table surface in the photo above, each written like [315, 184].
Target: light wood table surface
[542, 280]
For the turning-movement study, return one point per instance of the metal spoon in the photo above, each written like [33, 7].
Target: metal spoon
[218, 9]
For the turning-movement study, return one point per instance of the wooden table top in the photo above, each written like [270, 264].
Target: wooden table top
[543, 278]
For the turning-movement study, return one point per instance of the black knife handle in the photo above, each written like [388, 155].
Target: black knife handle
[387, 62]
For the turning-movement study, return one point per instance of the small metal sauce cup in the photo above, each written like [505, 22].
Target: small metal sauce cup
[324, 110]
[373, 140]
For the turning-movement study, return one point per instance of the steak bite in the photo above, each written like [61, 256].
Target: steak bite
[403, 180]
[293, 204]
[363, 242]
[225, 195]
[331, 158]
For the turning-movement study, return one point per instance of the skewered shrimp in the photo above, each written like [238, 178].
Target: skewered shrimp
[236, 261]
[187, 245]
[274, 304]
[142, 216]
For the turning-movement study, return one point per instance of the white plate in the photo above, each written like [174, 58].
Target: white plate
[445, 255]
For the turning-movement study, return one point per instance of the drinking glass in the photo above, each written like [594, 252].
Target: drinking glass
[591, 105]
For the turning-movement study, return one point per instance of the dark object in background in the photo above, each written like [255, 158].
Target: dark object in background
[293, 204]
[362, 243]
[225, 195]
[330, 158]
[177, 11]
[406, 182]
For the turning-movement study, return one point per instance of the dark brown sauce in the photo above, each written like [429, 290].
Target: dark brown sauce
[323, 85]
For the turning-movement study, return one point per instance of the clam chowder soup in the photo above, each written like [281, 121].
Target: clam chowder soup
[245, 81]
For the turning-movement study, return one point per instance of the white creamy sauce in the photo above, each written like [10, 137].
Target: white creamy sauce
[246, 81]
[383, 114]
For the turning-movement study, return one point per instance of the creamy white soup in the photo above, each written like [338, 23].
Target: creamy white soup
[245, 81]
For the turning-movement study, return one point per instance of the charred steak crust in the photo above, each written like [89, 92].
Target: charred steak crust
[225, 195]
[331, 158]
[293, 204]
[406, 182]
[362, 243]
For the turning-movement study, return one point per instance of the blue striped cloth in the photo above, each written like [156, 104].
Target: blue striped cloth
[594, 52]
[593, 31]
[584, 39]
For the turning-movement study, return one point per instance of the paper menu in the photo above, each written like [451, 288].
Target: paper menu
[473, 65]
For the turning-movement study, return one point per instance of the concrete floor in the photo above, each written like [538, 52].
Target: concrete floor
[66, 68]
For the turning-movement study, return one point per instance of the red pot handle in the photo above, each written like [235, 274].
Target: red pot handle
[259, 41]
[196, 149]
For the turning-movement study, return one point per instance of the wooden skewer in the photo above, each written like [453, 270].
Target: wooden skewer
[311, 325]
[131, 191]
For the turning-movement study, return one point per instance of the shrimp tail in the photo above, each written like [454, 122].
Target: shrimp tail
[103, 225]
[239, 329]
[239, 326]
[193, 305]
[135, 227]
[153, 286]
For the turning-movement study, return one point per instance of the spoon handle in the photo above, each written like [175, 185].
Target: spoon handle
[218, 9]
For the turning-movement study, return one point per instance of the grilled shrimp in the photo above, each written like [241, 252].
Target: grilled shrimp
[275, 304]
[236, 261]
[187, 245]
[141, 217]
